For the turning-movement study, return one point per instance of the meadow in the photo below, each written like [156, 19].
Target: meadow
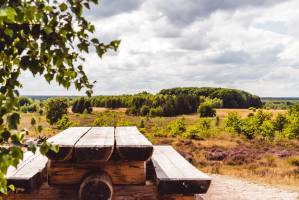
[273, 162]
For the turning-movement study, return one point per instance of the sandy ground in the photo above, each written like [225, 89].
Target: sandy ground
[227, 188]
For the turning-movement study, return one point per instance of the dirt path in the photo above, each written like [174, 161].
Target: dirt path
[224, 187]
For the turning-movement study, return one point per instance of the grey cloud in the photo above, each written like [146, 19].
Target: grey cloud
[107, 8]
[184, 12]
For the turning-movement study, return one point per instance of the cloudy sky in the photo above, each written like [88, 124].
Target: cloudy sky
[246, 44]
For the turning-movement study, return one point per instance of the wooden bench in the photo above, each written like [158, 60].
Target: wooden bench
[175, 175]
[29, 174]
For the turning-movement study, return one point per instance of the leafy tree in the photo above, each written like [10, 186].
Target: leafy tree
[233, 123]
[280, 122]
[55, 109]
[80, 105]
[206, 109]
[24, 101]
[43, 37]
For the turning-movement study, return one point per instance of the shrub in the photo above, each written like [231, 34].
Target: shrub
[144, 110]
[202, 130]
[64, 122]
[99, 121]
[24, 101]
[177, 127]
[233, 123]
[55, 109]
[206, 109]
[33, 121]
[156, 112]
[41, 111]
[141, 124]
[32, 108]
[39, 129]
[80, 105]
[280, 122]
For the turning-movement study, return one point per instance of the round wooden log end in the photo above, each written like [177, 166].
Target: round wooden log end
[97, 186]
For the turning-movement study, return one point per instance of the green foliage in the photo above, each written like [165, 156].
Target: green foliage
[99, 121]
[39, 129]
[24, 101]
[231, 98]
[280, 122]
[201, 131]
[155, 112]
[55, 109]
[46, 38]
[33, 121]
[80, 105]
[176, 127]
[64, 123]
[206, 109]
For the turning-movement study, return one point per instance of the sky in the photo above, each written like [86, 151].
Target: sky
[251, 45]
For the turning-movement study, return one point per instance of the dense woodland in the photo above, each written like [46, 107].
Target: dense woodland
[176, 101]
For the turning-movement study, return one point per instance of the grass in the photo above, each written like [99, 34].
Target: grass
[273, 163]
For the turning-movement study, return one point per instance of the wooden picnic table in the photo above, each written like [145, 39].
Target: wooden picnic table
[106, 163]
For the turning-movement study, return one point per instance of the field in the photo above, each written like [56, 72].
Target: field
[271, 162]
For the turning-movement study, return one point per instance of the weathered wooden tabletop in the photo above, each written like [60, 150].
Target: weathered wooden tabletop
[98, 143]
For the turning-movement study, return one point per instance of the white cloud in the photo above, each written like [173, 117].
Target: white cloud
[244, 44]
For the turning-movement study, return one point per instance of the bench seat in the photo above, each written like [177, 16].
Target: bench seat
[29, 174]
[175, 175]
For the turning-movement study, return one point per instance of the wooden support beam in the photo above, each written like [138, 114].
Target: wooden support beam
[121, 192]
[96, 144]
[132, 145]
[66, 141]
[129, 172]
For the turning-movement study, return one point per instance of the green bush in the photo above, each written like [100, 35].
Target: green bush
[206, 109]
[176, 127]
[156, 112]
[201, 131]
[81, 105]
[99, 121]
[144, 110]
[64, 122]
[33, 121]
[55, 109]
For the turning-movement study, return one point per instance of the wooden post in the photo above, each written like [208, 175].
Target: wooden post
[97, 186]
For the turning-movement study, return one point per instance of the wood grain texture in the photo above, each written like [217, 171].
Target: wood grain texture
[46, 192]
[66, 141]
[30, 173]
[132, 145]
[96, 144]
[96, 186]
[130, 172]
[175, 175]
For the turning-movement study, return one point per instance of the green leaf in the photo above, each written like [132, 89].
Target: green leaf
[44, 148]
[63, 7]
[11, 187]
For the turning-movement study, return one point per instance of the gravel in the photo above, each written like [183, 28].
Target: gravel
[224, 187]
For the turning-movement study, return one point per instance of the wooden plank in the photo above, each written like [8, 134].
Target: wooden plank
[26, 158]
[46, 192]
[175, 175]
[128, 172]
[66, 141]
[30, 173]
[96, 144]
[132, 145]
